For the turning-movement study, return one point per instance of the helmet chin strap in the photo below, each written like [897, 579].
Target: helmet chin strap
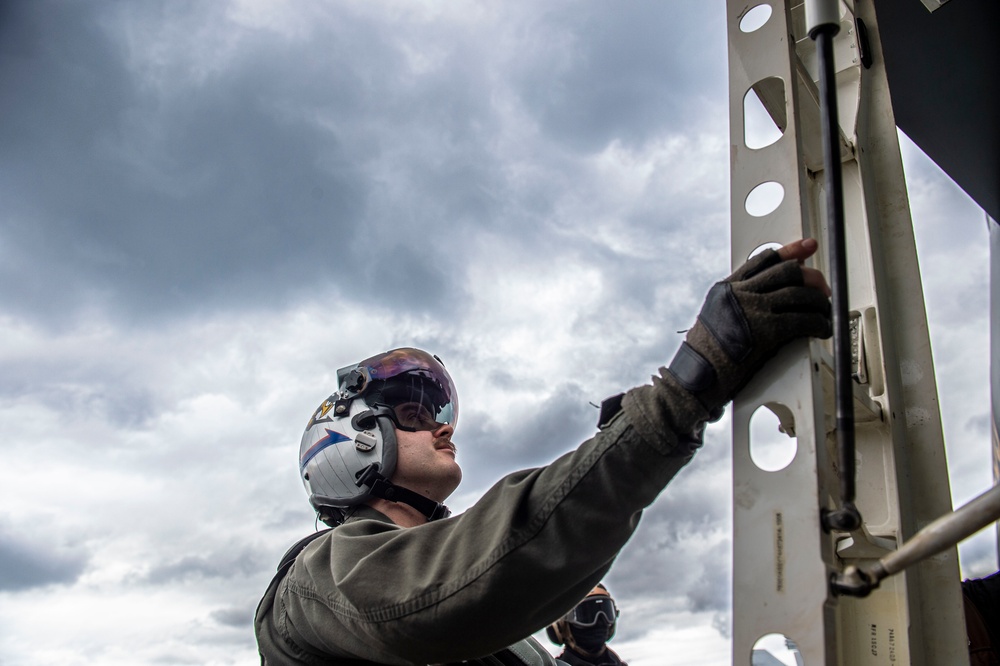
[382, 487]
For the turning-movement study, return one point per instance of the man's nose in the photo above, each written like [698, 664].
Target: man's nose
[446, 430]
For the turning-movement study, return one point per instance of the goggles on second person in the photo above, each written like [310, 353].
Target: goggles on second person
[588, 612]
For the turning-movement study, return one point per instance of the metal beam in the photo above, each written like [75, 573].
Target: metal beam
[783, 559]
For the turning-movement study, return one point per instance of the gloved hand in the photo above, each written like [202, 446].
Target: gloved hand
[745, 320]
[769, 301]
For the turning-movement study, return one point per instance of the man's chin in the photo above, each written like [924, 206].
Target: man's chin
[457, 480]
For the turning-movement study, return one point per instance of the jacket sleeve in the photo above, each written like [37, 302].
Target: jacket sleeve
[469, 585]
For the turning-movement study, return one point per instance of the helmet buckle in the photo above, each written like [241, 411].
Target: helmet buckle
[369, 475]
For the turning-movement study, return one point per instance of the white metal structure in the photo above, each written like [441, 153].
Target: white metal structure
[783, 559]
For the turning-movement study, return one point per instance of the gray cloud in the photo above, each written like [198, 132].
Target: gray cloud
[537, 436]
[607, 76]
[236, 617]
[159, 197]
[562, 420]
[98, 385]
[222, 565]
[170, 197]
[979, 554]
[25, 565]
[289, 164]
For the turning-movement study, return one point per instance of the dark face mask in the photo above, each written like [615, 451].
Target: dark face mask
[593, 638]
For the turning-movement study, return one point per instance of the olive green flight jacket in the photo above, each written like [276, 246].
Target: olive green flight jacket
[371, 592]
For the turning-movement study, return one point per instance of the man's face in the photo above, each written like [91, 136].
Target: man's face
[426, 462]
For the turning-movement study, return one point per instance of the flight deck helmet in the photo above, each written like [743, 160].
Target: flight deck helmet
[352, 433]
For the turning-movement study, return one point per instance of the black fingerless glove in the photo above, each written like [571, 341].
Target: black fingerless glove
[745, 320]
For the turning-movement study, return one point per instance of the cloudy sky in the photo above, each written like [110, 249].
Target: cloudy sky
[209, 207]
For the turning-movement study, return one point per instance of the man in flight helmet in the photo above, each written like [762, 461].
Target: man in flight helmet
[586, 630]
[395, 580]
[349, 450]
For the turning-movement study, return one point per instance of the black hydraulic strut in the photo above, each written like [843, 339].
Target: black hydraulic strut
[824, 22]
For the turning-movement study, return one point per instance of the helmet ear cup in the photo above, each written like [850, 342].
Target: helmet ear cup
[388, 432]
[554, 632]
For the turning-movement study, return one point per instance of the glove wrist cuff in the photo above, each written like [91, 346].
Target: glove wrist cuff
[692, 370]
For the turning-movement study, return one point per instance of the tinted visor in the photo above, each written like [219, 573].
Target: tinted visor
[416, 402]
[589, 611]
[415, 386]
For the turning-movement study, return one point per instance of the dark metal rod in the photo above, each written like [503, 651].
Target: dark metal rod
[844, 383]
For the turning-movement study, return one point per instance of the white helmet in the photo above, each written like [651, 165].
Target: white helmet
[348, 451]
